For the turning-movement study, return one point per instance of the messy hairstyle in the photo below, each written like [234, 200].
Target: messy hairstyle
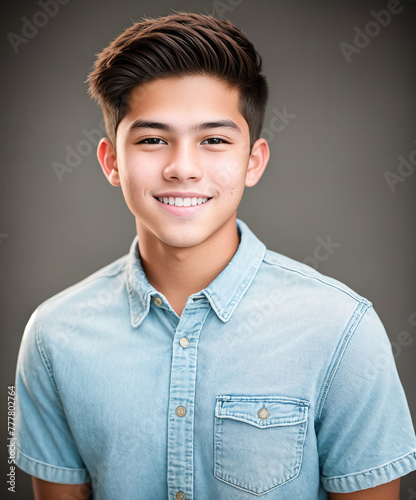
[177, 45]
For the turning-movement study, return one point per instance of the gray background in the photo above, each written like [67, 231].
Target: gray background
[325, 177]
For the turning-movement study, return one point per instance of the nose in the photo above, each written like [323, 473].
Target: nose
[182, 164]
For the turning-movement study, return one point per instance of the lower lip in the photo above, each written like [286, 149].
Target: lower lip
[183, 211]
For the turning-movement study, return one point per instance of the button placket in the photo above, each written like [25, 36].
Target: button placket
[181, 403]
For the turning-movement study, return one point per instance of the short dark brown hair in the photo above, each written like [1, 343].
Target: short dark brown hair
[177, 45]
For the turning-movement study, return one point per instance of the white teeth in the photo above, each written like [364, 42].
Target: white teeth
[182, 202]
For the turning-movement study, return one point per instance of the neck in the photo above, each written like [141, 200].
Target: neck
[176, 272]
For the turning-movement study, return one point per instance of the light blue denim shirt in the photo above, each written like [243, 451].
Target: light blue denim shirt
[276, 382]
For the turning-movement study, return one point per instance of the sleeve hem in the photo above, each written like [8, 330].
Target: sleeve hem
[371, 477]
[52, 473]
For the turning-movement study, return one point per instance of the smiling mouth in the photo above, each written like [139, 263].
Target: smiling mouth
[182, 202]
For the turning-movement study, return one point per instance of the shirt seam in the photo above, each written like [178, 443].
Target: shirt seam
[57, 467]
[340, 350]
[372, 469]
[319, 278]
[42, 352]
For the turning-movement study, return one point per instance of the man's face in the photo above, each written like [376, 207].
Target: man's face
[183, 159]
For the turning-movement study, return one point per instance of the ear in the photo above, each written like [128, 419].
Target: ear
[108, 160]
[257, 162]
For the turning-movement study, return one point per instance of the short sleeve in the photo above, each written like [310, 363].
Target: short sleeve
[365, 433]
[45, 447]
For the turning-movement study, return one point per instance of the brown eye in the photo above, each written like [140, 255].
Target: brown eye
[152, 140]
[214, 140]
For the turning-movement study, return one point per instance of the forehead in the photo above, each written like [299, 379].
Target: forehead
[184, 98]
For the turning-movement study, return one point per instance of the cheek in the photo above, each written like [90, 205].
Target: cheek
[133, 184]
[230, 174]
[133, 174]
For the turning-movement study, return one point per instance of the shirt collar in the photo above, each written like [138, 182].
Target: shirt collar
[224, 293]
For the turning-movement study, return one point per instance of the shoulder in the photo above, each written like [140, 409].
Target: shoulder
[70, 322]
[335, 316]
[311, 305]
[74, 300]
[60, 325]
[306, 281]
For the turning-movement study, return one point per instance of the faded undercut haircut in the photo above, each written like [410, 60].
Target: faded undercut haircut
[178, 45]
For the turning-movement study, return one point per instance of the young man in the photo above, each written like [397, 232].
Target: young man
[202, 365]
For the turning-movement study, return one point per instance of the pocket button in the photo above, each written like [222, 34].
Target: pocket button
[263, 413]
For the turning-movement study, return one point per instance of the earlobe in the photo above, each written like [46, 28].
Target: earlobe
[257, 162]
[108, 161]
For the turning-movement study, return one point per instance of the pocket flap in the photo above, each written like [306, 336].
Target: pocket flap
[262, 411]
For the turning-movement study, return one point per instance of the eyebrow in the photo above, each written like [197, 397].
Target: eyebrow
[138, 124]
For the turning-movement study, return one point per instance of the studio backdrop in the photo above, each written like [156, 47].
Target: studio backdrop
[339, 192]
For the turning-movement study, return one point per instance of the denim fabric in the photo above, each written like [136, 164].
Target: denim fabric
[276, 382]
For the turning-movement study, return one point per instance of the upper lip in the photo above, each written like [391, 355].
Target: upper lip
[178, 194]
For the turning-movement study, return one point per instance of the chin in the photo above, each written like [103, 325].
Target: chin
[182, 240]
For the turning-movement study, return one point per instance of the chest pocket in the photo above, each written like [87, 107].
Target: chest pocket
[258, 441]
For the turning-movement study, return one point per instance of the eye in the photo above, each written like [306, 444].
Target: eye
[152, 140]
[214, 140]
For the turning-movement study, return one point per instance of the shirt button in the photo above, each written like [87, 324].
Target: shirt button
[184, 342]
[263, 413]
[157, 301]
[180, 495]
[180, 411]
